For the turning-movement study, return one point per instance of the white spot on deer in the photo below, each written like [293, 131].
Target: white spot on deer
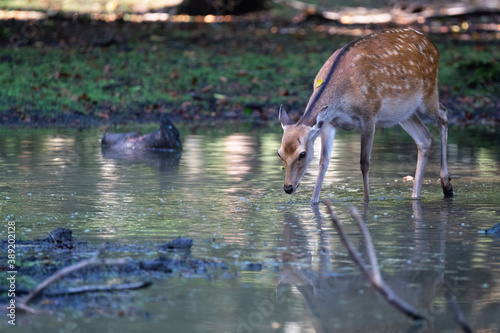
[411, 63]
[364, 90]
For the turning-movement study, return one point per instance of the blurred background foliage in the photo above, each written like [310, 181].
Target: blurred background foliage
[134, 59]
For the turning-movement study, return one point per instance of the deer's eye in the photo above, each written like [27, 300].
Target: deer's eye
[302, 155]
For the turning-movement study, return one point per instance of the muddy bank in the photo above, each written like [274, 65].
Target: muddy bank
[105, 285]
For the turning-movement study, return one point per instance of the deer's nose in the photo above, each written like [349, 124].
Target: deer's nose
[288, 189]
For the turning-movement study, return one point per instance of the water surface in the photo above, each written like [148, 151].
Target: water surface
[225, 192]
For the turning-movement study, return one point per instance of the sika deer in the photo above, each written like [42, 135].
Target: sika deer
[378, 80]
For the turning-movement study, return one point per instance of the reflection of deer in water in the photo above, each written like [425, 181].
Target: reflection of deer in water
[348, 302]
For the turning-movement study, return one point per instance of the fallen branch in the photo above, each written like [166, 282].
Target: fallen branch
[100, 288]
[373, 274]
[94, 260]
[459, 316]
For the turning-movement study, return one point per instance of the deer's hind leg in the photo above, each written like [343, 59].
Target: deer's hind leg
[367, 133]
[444, 175]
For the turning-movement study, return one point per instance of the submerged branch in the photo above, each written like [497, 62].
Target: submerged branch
[372, 274]
[100, 288]
[94, 260]
[459, 315]
[375, 270]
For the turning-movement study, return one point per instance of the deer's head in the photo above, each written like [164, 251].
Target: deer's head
[297, 149]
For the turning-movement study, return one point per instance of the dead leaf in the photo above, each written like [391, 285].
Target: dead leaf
[62, 75]
[83, 97]
[103, 115]
[174, 74]
[284, 92]
[207, 88]
[186, 105]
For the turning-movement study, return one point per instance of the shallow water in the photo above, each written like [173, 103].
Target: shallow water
[225, 192]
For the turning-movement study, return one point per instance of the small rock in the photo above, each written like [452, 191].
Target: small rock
[177, 244]
[61, 235]
[495, 230]
[254, 267]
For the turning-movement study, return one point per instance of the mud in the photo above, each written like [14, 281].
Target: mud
[39, 258]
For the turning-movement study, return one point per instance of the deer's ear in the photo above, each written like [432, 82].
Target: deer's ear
[284, 119]
[316, 129]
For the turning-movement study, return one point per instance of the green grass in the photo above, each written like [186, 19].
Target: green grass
[50, 80]
[470, 70]
[209, 70]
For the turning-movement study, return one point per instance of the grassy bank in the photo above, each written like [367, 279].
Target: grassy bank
[122, 71]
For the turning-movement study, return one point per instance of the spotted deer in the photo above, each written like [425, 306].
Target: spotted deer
[378, 80]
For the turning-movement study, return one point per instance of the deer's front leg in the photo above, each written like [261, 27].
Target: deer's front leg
[327, 136]
[423, 139]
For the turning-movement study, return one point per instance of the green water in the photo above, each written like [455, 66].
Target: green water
[225, 192]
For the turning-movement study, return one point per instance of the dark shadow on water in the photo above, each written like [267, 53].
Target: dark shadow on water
[156, 159]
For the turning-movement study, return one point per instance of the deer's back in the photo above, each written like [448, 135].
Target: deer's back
[386, 75]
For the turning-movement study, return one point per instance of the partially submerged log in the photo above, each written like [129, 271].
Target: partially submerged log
[164, 138]
[220, 7]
